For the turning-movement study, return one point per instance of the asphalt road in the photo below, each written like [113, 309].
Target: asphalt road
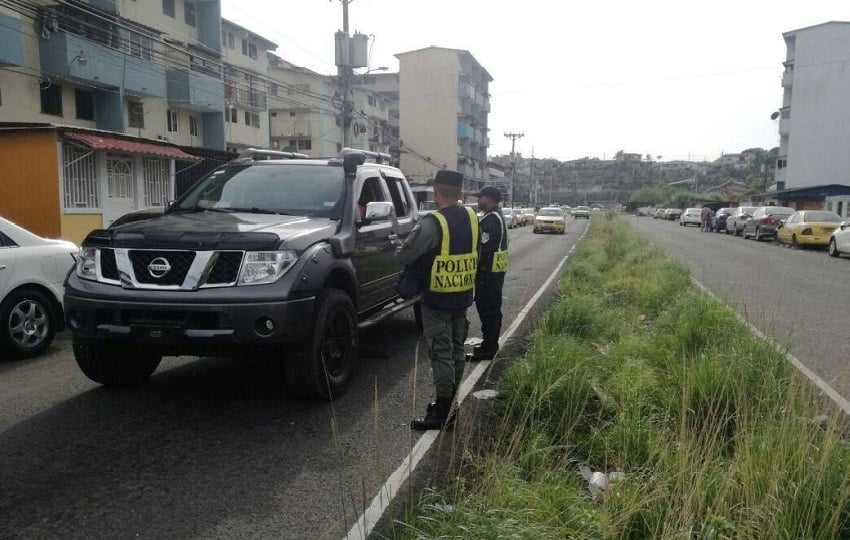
[800, 298]
[212, 447]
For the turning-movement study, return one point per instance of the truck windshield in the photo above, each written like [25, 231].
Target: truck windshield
[282, 189]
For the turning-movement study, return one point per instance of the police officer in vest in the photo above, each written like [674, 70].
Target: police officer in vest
[443, 249]
[492, 265]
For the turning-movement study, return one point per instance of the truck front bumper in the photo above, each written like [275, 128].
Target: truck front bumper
[174, 323]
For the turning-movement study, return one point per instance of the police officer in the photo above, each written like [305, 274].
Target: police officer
[443, 249]
[492, 265]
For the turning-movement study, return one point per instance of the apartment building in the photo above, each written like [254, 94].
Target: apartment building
[303, 117]
[247, 86]
[444, 103]
[307, 114]
[814, 121]
[386, 84]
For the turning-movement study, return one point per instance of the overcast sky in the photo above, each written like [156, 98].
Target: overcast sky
[674, 78]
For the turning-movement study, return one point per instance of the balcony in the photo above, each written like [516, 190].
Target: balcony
[787, 77]
[191, 90]
[464, 130]
[784, 120]
[466, 90]
[248, 98]
[11, 36]
[71, 57]
[487, 106]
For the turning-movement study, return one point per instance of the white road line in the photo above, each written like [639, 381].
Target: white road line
[366, 523]
[801, 367]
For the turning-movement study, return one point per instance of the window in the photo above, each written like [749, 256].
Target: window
[273, 89]
[173, 121]
[140, 46]
[293, 114]
[252, 50]
[234, 119]
[85, 104]
[189, 13]
[230, 41]
[273, 114]
[247, 118]
[303, 144]
[398, 195]
[51, 98]
[372, 101]
[135, 114]
[6, 242]
[168, 7]
[120, 183]
[255, 120]
[245, 46]
[194, 130]
[79, 181]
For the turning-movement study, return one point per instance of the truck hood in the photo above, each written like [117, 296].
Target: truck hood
[218, 230]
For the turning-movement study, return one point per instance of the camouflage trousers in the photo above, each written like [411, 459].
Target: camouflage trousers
[445, 332]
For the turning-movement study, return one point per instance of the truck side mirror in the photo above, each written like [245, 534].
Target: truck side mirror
[379, 211]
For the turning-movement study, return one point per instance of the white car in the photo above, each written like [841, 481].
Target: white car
[691, 216]
[509, 216]
[839, 240]
[32, 273]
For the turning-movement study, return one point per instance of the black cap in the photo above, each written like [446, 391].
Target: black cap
[491, 192]
[449, 178]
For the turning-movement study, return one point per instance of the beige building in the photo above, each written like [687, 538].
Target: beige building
[306, 115]
[246, 87]
[444, 103]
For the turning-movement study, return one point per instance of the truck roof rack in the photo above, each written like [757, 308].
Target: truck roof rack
[373, 157]
[259, 154]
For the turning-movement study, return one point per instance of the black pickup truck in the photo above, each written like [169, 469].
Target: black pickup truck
[288, 256]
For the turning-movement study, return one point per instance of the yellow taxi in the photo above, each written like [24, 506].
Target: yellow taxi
[808, 228]
[550, 219]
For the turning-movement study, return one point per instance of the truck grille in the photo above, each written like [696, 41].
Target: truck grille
[179, 261]
[108, 266]
[226, 268]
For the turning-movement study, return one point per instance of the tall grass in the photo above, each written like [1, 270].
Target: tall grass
[636, 372]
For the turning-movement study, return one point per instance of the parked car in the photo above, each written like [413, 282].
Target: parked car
[509, 216]
[550, 219]
[691, 216]
[644, 211]
[659, 213]
[32, 271]
[720, 218]
[839, 240]
[739, 216]
[808, 228]
[527, 216]
[672, 214]
[581, 212]
[765, 221]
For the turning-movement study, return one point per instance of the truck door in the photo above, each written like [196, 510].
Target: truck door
[374, 254]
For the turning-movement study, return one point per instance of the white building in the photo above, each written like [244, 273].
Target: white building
[814, 121]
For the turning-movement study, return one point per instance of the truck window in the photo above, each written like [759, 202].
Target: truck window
[399, 196]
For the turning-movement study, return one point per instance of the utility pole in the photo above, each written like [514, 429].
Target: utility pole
[531, 182]
[513, 137]
[344, 73]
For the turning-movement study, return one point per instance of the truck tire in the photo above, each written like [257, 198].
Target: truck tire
[27, 324]
[322, 367]
[112, 364]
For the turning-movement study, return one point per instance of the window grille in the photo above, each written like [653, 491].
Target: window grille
[79, 178]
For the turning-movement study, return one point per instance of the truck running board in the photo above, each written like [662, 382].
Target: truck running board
[387, 312]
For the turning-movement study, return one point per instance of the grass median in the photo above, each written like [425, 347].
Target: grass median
[645, 409]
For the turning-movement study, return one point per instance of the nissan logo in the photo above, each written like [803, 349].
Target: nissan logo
[159, 267]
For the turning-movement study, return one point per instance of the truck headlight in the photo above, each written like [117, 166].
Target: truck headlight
[262, 267]
[87, 263]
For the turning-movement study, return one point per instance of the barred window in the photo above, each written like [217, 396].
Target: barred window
[79, 178]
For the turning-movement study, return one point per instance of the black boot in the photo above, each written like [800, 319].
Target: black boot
[482, 353]
[438, 415]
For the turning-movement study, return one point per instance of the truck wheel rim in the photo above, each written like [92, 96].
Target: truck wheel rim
[28, 324]
[338, 344]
